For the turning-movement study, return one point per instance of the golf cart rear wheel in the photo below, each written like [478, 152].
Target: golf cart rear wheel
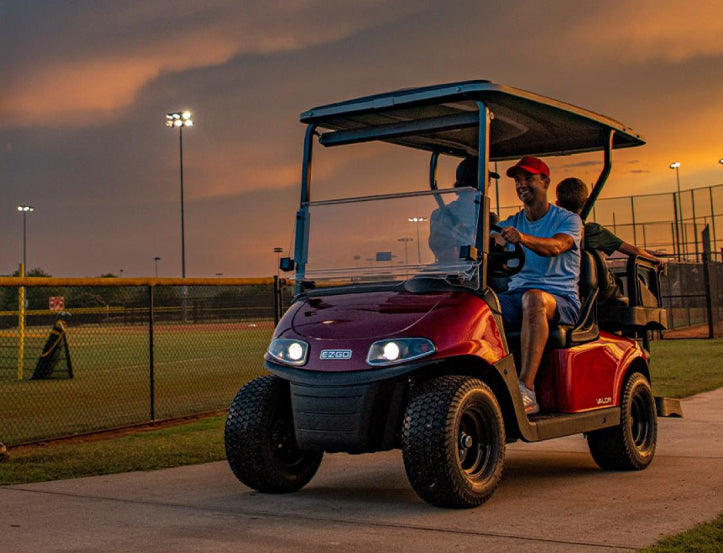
[631, 444]
[260, 442]
[453, 441]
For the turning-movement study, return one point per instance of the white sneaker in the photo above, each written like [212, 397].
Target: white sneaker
[529, 400]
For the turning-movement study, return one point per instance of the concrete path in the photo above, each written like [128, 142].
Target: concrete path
[552, 499]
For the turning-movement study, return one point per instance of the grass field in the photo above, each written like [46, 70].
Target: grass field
[197, 368]
[681, 368]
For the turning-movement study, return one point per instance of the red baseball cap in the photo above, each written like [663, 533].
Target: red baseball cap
[530, 164]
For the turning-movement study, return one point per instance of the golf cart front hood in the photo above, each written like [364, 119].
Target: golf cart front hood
[361, 316]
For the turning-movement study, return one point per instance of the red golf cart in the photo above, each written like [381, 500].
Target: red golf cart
[390, 343]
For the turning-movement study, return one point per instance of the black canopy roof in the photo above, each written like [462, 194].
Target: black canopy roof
[445, 118]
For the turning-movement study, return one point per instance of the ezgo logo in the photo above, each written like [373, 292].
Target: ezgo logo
[335, 354]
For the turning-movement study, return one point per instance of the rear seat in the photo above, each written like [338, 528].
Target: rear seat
[642, 308]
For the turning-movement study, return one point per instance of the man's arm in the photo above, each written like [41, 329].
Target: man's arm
[546, 247]
[629, 249]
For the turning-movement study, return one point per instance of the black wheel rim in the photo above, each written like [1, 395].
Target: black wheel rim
[476, 443]
[283, 442]
[641, 423]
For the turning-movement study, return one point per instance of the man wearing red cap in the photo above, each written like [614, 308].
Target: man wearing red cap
[545, 290]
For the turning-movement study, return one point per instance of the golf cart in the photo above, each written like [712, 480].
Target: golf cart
[390, 343]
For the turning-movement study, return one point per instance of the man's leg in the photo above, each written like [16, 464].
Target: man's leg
[538, 309]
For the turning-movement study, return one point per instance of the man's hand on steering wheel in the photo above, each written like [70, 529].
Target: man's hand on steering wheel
[499, 258]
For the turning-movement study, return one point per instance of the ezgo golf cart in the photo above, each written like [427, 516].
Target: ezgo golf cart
[389, 344]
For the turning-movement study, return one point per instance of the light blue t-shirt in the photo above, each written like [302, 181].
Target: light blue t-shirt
[557, 275]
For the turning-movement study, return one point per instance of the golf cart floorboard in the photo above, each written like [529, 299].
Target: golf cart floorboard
[555, 425]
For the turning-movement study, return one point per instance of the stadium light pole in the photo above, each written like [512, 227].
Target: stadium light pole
[178, 120]
[156, 260]
[416, 221]
[679, 209]
[404, 240]
[25, 209]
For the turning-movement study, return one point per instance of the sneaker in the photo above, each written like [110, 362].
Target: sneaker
[529, 400]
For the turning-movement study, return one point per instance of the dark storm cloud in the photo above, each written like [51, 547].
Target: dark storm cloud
[85, 86]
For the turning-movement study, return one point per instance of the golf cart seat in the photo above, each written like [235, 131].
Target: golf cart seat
[641, 307]
[586, 329]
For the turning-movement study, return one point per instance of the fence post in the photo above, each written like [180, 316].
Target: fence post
[695, 224]
[677, 227]
[705, 236]
[277, 300]
[151, 355]
[21, 325]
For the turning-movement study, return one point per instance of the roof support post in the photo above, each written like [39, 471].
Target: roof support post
[483, 179]
[301, 241]
[604, 174]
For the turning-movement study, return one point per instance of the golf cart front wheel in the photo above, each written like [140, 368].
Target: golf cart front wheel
[453, 441]
[631, 444]
[260, 441]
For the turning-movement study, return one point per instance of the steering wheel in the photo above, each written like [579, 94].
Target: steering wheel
[499, 258]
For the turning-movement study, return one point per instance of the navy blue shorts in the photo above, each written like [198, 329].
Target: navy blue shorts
[511, 304]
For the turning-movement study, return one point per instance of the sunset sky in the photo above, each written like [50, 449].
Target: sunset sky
[85, 86]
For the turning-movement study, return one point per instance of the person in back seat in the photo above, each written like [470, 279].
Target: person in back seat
[545, 290]
[571, 195]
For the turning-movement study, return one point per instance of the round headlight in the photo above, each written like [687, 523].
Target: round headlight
[390, 351]
[296, 351]
[289, 352]
[399, 350]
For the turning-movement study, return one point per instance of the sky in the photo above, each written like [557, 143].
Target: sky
[85, 86]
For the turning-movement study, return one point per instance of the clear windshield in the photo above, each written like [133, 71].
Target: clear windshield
[393, 237]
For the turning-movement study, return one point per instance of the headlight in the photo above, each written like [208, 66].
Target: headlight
[289, 352]
[390, 352]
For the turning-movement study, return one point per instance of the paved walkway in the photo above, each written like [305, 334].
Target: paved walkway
[552, 499]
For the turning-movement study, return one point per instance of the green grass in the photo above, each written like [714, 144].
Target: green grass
[681, 368]
[200, 441]
[704, 538]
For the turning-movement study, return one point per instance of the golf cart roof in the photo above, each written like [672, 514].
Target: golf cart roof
[444, 118]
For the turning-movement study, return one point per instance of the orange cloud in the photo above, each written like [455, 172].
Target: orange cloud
[87, 78]
[649, 30]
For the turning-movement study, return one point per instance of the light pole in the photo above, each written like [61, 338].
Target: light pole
[678, 208]
[180, 119]
[416, 221]
[25, 209]
[156, 260]
[404, 241]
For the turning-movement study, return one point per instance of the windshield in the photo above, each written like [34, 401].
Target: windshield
[392, 237]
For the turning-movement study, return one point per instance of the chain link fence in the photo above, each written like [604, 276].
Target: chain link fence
[126, 354]
[133, 351]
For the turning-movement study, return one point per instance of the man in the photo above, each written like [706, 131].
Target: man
[571, 195]
[545, 290]
[454, 225]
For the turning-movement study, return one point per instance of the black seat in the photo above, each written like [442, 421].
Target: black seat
[586, 329]
[643, 309]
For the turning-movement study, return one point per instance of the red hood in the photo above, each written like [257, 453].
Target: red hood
[361, 316]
